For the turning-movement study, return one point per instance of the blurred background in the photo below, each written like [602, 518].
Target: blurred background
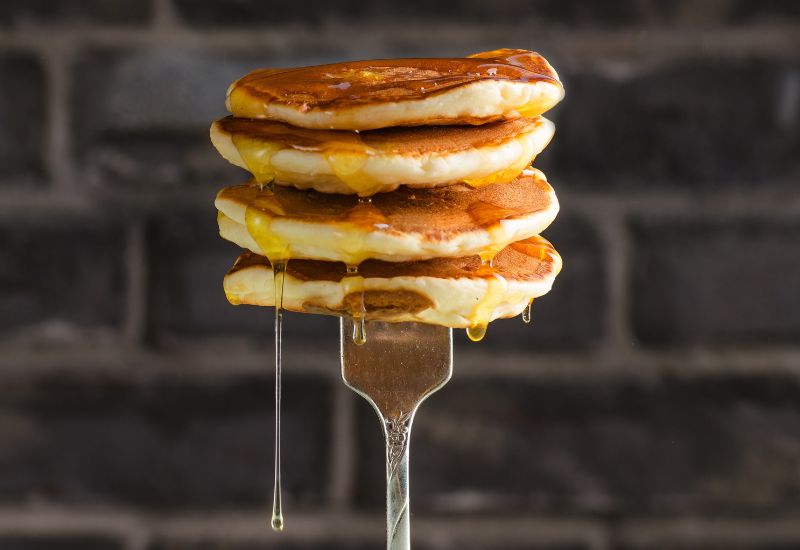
[653, 404]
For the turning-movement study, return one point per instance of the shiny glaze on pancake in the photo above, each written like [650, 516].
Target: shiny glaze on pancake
[436, 213]
[410, 141]
[354, 83]
[530, 259]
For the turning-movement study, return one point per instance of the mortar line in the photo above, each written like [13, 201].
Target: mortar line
[56, 56]
[324, 524]
[343, 448]
[136, 269]
[586, 367]
[616, 253]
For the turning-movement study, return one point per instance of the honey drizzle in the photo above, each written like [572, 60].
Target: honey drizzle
[490, 217]
[259, 218]
[279, 277]
[526, 314]
[484, 310]
[511, 172]
[351, 284]
[257, 155]
[346, 156]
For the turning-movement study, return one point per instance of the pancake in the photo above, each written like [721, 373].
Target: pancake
[405, 225]
[377, 161]
[364, 95]
[453, 292]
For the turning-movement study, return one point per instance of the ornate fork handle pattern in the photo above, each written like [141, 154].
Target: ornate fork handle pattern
[397, 435]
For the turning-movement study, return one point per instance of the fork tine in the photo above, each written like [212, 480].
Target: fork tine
[398, 367]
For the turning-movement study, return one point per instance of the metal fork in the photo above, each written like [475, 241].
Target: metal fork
[398, 367]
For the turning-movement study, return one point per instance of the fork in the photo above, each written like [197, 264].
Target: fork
[396, 369]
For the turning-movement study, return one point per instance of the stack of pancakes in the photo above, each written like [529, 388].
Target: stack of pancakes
[393, 190]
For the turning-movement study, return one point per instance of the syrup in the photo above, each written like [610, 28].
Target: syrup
[510, 173]
[349, 168]
[279, 277]
[257, 155]
[484, 310]
[490, 217]
[354, 284]
[355, 83]
[526, 314]
[259, 218]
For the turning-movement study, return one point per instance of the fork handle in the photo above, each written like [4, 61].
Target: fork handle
[398, 514]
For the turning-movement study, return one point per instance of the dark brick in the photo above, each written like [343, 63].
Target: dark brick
[59, 542]
[190, 260]
[615, 446]
[252, 12]
[145, 121]
[571, 315]
[694, 125]
[67, 270]
[69, 12]
[691, 13]
[161, 443]
[778, 11]
[705, 282]
[22, 114]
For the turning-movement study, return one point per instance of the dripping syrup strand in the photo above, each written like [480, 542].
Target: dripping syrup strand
[359, 328]
[279, 275]
[526, 314]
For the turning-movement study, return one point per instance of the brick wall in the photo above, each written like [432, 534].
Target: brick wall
[654, 404]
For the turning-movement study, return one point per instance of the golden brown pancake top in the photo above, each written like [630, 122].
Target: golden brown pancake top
[530, 259]
[435, 212]
[410, 141]
[354, 83]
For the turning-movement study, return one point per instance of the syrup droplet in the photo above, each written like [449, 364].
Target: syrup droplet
[359, 331]
[353, 284]
[477, 332]
[526, 314]
[496, 286]
[279, 275]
